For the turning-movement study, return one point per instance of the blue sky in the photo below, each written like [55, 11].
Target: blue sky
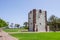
[16, 11]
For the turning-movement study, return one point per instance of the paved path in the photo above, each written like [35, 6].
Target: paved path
[6, 36]
[1, 38]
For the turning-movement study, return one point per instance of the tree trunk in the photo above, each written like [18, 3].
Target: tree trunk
[54, 28]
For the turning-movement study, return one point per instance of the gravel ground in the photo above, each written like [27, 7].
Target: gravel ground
[6, 36]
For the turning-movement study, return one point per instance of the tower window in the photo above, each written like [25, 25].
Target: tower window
[40, 23]
[40, 11]
[38, 16]
[29, 18]
[31, 23]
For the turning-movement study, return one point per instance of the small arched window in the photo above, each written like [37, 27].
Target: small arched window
[40, 11]
[40, 23]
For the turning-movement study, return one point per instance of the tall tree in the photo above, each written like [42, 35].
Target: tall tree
[26, 25]
[3, 24]
[11, 25]
[8, 25]
[17, 25]
[52, 22]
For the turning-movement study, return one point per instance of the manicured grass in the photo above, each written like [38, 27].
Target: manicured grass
[11, 30]
[38, 36]
[14, 30]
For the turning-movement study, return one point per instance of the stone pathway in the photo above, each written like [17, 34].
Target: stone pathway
[6, 36]
[1, 38]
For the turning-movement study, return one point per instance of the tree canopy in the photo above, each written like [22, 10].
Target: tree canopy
[3, 23]
[53, 22]
[17, 25]
[25, 25]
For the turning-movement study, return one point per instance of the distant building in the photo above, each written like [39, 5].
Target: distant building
[37, 21]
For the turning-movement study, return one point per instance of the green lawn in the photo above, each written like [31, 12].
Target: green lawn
[38, 36]
[13, 30]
